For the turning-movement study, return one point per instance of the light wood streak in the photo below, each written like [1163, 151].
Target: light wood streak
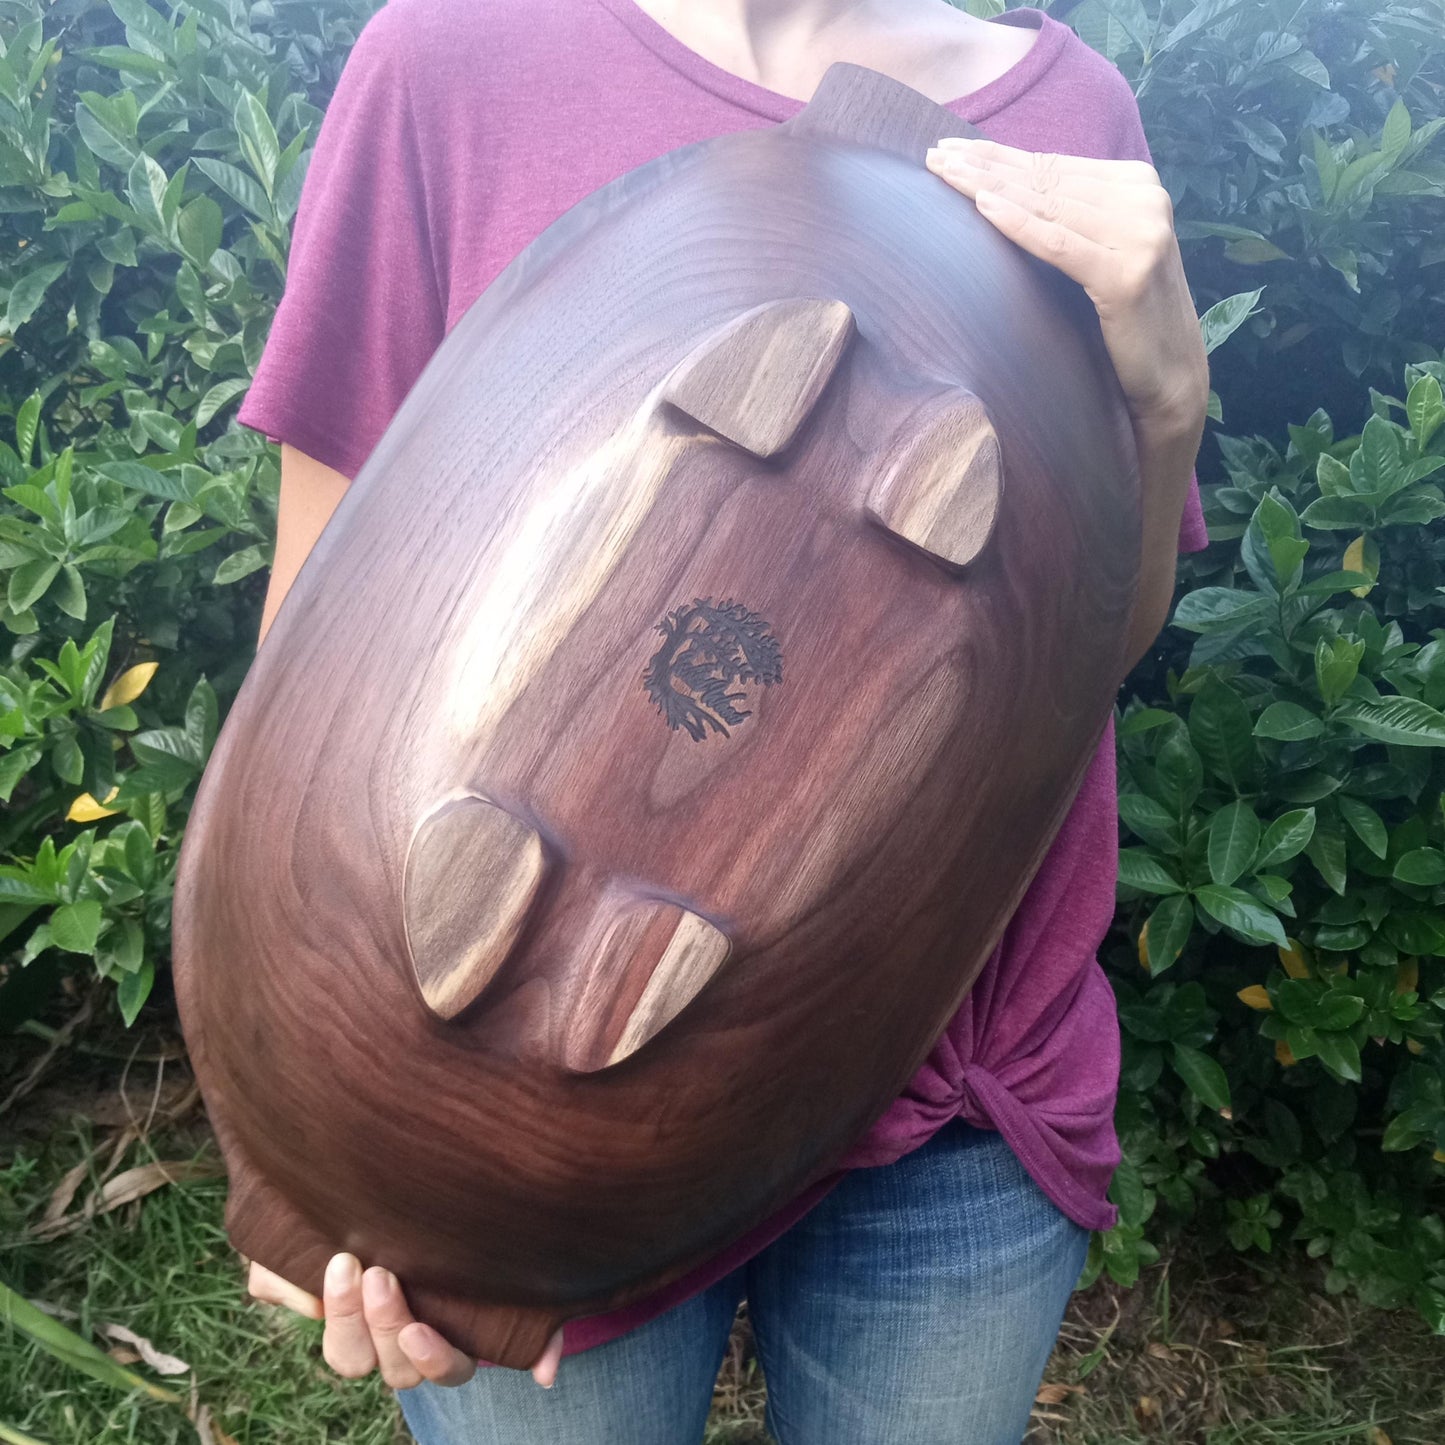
[942, 490]
[756, 382]
[695, 951]
[473, 873]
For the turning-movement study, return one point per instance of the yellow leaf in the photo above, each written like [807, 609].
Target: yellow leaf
[1354, 561]
[1256, 996]
[86, 810]
[129, 685]
[1144, 946]
[1439, 1156]
[1415, 1046]
[1283, 1055]
[1293, 959]
[1407, 976]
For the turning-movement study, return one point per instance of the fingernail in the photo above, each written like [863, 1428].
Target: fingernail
[935, 159]
[342, 1273]
[377, 1283]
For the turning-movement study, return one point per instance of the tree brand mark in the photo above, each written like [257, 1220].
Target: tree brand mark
[710, 652]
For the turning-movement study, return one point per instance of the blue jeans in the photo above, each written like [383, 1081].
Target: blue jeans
[917, 1304]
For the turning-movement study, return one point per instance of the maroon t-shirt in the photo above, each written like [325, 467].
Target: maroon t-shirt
[459, 130]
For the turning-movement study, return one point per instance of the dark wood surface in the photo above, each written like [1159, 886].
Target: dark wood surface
[663, 730]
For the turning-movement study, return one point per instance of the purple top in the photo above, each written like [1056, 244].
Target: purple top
[459, 130]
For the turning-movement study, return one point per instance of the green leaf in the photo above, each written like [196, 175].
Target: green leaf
[107, 124]
[1241, 912]
[240, 564]
[134, 989]
[1169, 926]
[1396, 134]
[1340, 1054]
[217, 397]
[1150, 820]
[1379, 461]
[1137, 869]
[146, 189]
[1221, 731]
[1333, 477]
[201, 719]
[1199, 16]
[76, 926]
[1285, 837]
[1337, 661]
[1425, 407]
[29, 582]
[1220, 608]
[1336, 1010]
[1234, 835]
[238, 185]
[171, 485]
[1179, 770]
[1287, 722]
[1202, 1076]
[1253, 251]
[1225, 317]
[69, 592]
[29, 291]
[1402, 720]
[27, 426]
[72, 1349]
[199, 229]
[1424, 867]
[1326, 850]
[1365, 823]
[1334, 514]
[258, 139]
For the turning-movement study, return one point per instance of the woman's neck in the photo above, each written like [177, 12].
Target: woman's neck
[786, 45]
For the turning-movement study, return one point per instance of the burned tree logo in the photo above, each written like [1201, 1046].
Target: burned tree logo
[710, 652]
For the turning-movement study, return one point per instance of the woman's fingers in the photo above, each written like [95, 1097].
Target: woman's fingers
[1045, 165]
[544, 1371]
[1076, 255]
[438, 1361]
[387, 1314]
[271, 1289]
[346, 1345]
[964, 175]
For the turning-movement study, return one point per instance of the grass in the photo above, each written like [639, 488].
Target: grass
[1207, 1350]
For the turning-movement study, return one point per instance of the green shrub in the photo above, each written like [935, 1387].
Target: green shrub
[1300, 140]
[150, 167]
[1284, 874]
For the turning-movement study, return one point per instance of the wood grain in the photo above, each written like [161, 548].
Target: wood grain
[660, 735]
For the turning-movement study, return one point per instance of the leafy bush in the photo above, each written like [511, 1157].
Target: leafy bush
[1300, 140]
[1284, 875]
[149, 171]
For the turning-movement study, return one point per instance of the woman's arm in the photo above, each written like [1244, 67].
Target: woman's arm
[1109, 225]
[309, 494]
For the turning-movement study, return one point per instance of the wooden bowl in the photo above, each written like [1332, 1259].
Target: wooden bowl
[662, 731]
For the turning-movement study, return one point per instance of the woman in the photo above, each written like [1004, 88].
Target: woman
[915, 1295]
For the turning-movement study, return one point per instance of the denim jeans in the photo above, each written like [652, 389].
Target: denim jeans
[917, 1304]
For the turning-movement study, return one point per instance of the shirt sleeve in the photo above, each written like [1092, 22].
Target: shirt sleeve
[362, 309]
[1131, 144]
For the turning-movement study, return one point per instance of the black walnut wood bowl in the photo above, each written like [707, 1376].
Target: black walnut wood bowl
[661, 733]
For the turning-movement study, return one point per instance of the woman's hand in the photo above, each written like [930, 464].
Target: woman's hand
[368, 1325]
[1108, 225]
